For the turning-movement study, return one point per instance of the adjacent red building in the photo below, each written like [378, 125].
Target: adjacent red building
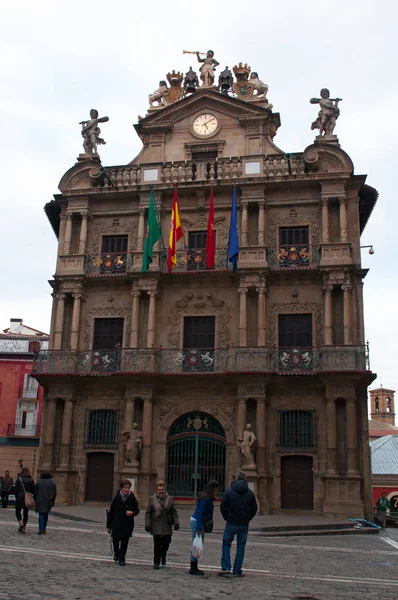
[20, 396]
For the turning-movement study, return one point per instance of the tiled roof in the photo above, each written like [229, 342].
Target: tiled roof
[384, 455]
[380, 426]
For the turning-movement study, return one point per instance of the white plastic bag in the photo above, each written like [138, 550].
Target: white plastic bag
[197, 546]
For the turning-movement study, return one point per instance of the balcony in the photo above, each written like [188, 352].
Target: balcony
[293, 256]
[16, 430]
[211, 361]
[109, 263]
[194, 259]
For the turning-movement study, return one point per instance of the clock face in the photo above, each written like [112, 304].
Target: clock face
[205, 124]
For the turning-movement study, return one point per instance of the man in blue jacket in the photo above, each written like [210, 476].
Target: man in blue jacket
[238, 507]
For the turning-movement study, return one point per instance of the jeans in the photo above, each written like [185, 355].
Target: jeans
[382, 514]
[43, 520]
[192, 523]
[230, 531]
[4, 498]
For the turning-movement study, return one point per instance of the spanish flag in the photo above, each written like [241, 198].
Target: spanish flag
[175, 233]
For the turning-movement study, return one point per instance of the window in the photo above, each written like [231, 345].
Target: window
[30, 387]
[102, 428]
[197, 250]
[75, 234]
[114, 253]
[293, 236]
[203, 155]
[377, 404]
[295, 331]
[296, 429]
[108, 334]
[198, 353]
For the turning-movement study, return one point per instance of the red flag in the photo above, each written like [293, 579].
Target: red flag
[175, 233]
[211, 235]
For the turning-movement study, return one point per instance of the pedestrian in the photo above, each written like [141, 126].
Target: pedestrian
[45, 494]
[23, 484]
[160, 517]
[202, 519]
[6, 484]
[238, 507]
[382, 504]
[120, 521]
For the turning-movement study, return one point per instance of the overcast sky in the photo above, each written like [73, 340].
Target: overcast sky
[60, 59]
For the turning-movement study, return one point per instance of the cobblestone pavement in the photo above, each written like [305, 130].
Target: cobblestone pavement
[72, 562]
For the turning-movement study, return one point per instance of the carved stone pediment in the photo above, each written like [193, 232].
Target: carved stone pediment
[327, 158]
[78, 177]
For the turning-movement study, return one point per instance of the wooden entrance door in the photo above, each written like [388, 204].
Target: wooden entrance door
[297, 482]
[99, 484]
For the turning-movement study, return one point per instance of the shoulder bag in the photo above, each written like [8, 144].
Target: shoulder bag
[29, 500]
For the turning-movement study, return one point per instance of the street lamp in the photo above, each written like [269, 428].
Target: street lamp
[371, 251]
[20, 462]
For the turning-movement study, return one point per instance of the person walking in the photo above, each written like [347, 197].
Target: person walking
[23, 484]
[382, 504]
[45, 494]
[120, 521]
[202, 519]
[238, 507]
[6, 484]
[160, 517]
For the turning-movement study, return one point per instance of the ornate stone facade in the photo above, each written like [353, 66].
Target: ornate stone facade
[211, 347]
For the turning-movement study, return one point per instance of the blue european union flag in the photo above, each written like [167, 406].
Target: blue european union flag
[233, 239]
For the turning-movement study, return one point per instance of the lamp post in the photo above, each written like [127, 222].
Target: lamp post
[20, 462]
[371, 251]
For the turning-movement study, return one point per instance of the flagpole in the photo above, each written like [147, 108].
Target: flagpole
[152, 189]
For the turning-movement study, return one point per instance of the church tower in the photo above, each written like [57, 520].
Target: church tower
[382, 406]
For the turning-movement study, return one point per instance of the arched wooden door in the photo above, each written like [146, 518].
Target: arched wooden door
[297, 482]
[99, 482]
[196, 454]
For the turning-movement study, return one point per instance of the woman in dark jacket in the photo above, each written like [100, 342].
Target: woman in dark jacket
[45, 494]
[24, 483]
[203, 513]
[160, 517]
[120, 521]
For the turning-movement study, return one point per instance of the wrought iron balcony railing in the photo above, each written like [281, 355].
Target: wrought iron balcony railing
[16, 430]
[108, 263]
[194, 259]
[299, 255]
[163, 361]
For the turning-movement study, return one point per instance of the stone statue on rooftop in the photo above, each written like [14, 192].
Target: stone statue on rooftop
[159, 95]
[245, 445]
[259, 87]
[208, 68]
[91, 132]
[328, 114]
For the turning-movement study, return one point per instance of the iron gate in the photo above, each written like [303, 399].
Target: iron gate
[196, 454]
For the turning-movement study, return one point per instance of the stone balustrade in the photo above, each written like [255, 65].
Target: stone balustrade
[194, 361]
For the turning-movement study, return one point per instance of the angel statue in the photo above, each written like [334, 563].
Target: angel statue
[328, 114]
[91, 132]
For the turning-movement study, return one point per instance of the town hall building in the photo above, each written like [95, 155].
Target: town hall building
[192, 374]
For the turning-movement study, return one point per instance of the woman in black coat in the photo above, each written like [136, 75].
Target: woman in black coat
[24, 483]
[120, 521]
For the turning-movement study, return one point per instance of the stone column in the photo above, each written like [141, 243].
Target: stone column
[146, 435]
[151, 319]
[343, 220]
[243, 317]
[347, 314]
[68, 233]
[66, 434]
[261, 315]
[49, 433]
[241, 416]
[327, 289]
[260, 420]
[331, 434]
[261, 223]
[135, 315]
[75, 326]
[129, 414]
[325, 221]
[244, 235]
[352, 442]
[59, 321]
[61, 236]
[83, 232]
[141, 229]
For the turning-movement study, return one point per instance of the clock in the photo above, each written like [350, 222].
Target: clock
[205, 125]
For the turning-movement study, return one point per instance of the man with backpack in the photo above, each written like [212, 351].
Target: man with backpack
[238, 507]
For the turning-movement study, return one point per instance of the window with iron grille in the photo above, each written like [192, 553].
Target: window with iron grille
[296, 429]
[102, 428]
[293, 236]
[114, 244]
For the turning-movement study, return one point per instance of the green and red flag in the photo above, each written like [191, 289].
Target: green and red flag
[153, 233]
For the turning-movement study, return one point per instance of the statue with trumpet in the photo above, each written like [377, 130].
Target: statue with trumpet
[208, 67]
